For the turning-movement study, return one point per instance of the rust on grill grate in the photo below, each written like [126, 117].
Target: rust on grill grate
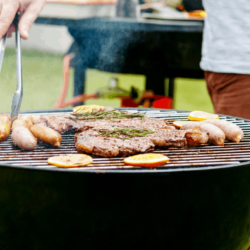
[181, 158]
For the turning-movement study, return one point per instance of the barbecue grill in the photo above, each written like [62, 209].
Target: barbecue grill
[199, 200]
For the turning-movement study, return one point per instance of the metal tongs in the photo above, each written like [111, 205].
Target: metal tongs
[18, 95]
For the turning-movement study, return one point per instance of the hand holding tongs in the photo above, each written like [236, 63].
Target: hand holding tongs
[18, 95]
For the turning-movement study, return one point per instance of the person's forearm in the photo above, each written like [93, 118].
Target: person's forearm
[30, 10]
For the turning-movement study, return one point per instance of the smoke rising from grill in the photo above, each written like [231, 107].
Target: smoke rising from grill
[104, 48]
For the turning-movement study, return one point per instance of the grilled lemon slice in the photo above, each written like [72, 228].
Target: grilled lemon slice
[147, 160]
[201, 116]
[178, 124]
[86, 108]
[70, 160]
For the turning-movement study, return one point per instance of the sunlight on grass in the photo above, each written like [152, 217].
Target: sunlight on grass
[191, 94]
[42, 80]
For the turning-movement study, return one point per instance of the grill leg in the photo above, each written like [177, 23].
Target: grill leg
[79, 82]
[155, 82]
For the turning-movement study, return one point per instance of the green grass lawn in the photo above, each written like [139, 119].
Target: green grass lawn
[42, 78]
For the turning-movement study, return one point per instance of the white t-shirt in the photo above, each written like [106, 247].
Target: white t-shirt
[226, 37]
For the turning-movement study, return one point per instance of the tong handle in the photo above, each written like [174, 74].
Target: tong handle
[17, 98]
[18, 55]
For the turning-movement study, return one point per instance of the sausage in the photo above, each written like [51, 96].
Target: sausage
[196, 138]
[23, 120]
[28, 119]
[5, 125]
[216, 135]
[5, 118]
[46, 135]
[232, 131]
[23, 138]
[19, 122]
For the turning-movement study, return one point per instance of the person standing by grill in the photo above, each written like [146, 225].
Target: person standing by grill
[8, 10]
[226, 56]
